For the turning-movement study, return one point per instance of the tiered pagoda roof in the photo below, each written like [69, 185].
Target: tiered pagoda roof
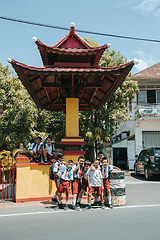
[71, 70]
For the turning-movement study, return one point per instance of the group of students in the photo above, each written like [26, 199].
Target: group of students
[42, 153]
[80, 176]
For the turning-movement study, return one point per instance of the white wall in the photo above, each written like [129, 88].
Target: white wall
[146, 124]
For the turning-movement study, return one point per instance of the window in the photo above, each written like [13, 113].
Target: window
[130, 105]
[151, 96]
[158, 96]
[142, 97]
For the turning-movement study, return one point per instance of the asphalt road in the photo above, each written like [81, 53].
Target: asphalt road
[139, 219]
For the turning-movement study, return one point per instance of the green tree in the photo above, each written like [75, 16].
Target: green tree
[21, 120]
[99, 125]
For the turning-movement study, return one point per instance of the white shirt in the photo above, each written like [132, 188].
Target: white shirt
[85, 176]
[78, 173]
[65, 173]
[107, 169]
[35, 148]
[49, 148]
[95, 177]
[57, 168]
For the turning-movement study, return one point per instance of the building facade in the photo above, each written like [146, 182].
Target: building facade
[143, 128]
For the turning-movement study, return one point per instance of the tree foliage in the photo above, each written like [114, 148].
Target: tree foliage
[21, 121]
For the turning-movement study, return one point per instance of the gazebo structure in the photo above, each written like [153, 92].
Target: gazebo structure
[71, 81]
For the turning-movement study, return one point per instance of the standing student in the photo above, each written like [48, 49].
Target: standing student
[95, 183]
[78, 168]
[36, 150]
[48, 150]
[56, 168]
[84, 186]
[65, 182]
[105, 169]
[100, 156]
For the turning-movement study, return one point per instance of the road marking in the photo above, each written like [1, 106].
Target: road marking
[63, 211]
[128, 183]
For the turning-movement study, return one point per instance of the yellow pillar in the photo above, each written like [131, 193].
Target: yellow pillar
[72, 121]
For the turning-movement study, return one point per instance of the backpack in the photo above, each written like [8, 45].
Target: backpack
[51, 175]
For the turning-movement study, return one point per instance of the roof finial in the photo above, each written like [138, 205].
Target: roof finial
[72, 27]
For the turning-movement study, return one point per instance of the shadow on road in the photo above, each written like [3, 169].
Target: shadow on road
[142, 177]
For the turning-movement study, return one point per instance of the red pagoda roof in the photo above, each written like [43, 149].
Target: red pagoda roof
[71, 49]
[70, 71]
[49, 86]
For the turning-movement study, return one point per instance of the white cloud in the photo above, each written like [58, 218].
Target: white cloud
[148, 6]
[141, 64]
[145, 60]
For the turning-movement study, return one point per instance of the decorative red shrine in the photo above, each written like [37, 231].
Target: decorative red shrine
[71, 71]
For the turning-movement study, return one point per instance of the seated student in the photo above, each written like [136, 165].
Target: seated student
[65, 182]
[95, 183]
[84, 186]
[48, 150]
[36, 150]
[105, 169]
[56, 169]
[78, 168]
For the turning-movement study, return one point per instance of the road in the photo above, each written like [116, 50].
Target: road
[139, 219]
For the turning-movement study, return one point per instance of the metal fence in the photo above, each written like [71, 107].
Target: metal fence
[7, 179]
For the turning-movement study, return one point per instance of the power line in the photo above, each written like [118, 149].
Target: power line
[78, 30]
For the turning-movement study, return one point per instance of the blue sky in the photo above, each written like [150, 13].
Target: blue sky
[136, 18]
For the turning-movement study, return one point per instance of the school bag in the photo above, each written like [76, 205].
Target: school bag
[51, 175]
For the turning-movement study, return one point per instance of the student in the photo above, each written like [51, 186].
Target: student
[105, 169]
[95, 183]
[77, 168]
[48, 150]
[100, 156]
[84, 182]
[65, 182]
[36, 150]
[60, 162]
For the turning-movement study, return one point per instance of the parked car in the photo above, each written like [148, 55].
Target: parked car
[148, 162]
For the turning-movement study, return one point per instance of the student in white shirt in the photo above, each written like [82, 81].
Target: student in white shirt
[84, 186]
[105, 169]
[56, 170]
[36, 150]
[78, 168]
[95, 183]
[48, 150]
[65, 182]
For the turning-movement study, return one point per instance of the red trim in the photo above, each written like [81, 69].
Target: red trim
[72, 138]
[41, 199]
[32, 164]
[74, 153]
[72, 143]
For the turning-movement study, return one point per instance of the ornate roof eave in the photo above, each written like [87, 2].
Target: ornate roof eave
[46, 49]
[93, 86]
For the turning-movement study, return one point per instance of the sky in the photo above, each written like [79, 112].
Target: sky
[134, 18]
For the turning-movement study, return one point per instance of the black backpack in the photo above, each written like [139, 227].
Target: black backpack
[51, 175]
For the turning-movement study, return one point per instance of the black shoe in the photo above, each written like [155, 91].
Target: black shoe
[110, 206]
[54, 200]
[66, 207]
[74, 207]
[45, 161]
[88, 207]
[102, 206]
[60, 205]
[78, 206]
